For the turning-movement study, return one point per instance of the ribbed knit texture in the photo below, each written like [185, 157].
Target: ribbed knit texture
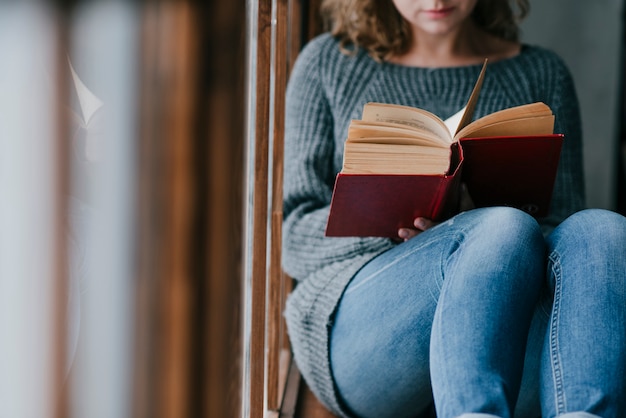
[326, 90]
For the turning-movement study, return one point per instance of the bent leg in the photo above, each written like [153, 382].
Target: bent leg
[489, 294]
[584, 360]
[381, 336]
[381, 332]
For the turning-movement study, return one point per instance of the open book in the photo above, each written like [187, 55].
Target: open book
[402, 162]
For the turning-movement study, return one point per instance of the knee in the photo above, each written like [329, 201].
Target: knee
[593, 237]
[505, 233]
[588, 250]
[594, 227]
[511, 224]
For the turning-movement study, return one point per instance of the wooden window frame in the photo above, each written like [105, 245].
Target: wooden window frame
[280, 28]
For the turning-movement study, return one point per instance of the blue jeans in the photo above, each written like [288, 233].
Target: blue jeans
[450, 313]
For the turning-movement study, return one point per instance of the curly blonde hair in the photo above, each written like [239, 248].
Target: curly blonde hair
[377, 26]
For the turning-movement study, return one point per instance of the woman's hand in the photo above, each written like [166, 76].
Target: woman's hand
[421, 225]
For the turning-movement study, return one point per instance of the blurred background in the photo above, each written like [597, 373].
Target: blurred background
[121, 174]
[132, 138]
[589, 36]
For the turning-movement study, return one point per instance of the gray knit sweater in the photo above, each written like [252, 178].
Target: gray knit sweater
[326, 90]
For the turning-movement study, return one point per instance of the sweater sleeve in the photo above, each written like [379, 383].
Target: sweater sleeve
[309, 170]
[569, 189]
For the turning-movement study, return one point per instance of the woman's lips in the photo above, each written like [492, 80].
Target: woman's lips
[439, 13]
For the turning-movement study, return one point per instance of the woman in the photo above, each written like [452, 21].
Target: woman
[489, 314]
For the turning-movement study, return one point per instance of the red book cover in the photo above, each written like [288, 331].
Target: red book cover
[498, 171]
[512, 171]
[378, 204]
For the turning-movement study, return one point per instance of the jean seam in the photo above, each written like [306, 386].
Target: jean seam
[438, 318]
[457, 240]
[557, 366]
[377, 272]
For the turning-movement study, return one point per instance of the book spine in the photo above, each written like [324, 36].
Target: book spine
[447, 201]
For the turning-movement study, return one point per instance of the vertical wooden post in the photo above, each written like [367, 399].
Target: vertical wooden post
[294, 43]
[260, 209]
[314, 21]
[179, 34]
[166, 283]
[295, 31]
[190, 203]
[276, 280]
[221, 145]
